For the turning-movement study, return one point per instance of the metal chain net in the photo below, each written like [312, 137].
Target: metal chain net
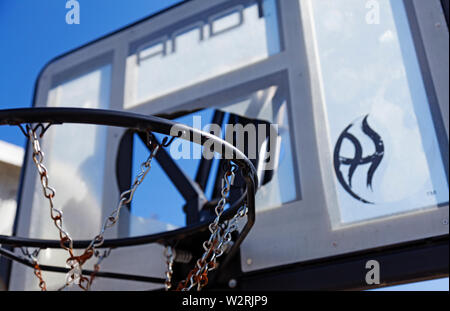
[217, 244]
[75, 263]
[218, 241]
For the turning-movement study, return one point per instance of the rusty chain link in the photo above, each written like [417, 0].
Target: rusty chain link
[214, 247]
[100, 257]
[97, 265]
[169, 253]
[125, 198]
[218, 241]
[75, 274]
[32, 257]
[38, 273]
[66, 241]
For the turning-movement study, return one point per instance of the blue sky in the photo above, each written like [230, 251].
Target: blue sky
[34, 32]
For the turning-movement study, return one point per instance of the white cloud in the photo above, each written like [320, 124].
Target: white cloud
[333, 21]
[387, 36]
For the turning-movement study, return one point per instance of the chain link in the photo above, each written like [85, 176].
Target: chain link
[101, 257]
[75, 274]
[37, 269]
[214, 247]
[218, 241]
[38, 274]
[169, 253]
[96, 269]
[125, 198]
[66, 241]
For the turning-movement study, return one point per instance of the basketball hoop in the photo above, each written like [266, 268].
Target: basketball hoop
[34, 122]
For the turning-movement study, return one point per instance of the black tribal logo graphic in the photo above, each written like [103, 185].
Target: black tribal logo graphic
[358, 159]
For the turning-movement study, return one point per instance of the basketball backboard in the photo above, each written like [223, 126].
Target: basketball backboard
[357, 91]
